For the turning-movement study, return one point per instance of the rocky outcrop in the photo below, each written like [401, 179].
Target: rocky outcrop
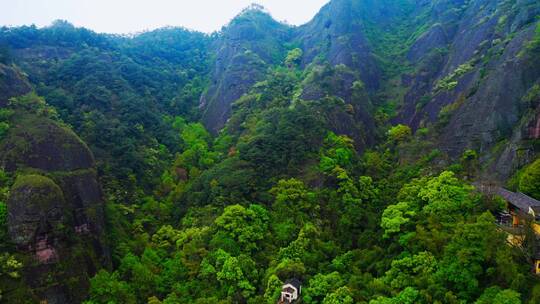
[55, 208]
[434, 38]
[12, 83]
[36, 207]
[336, 35]
[38, 143]
[253, 41]
[246, 47]
[472, 74]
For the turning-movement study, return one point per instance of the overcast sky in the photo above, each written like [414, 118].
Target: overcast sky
[128, 16]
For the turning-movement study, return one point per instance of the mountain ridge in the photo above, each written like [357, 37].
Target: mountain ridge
[206, 168]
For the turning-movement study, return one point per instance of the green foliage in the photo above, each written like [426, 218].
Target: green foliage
[107, 288]
[408, 296]
[399, 133]
[321, 287]
[3, 223]
[449, 82]
[341, 296]
[273, 289]
[470, 163]
[529, 181]
[281, 192]
[4, 127]
[338, 151]
[478, 242]
[33, 103]
[445, 196]
[411, 270]
[533, 46]
[10, 269]
[9, 266]
[246, 226]
[293, 206]
[294, 57]
[196, 153]
[231, 275]
[394, 217]
[495, 295]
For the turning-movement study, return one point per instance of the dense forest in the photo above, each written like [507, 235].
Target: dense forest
[351, 153]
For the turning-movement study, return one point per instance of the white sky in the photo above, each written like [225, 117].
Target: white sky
[128, 16]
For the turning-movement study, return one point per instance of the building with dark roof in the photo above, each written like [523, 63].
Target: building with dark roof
[524, 211]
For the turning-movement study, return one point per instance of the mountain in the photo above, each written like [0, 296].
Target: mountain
[172, 166]
[249, 44]
[55, 205]
[409, 49]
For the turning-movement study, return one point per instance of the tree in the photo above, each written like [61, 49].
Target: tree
[338, 151]
[142, 273]
[4, 127]
[408, 296]
[321, 285]
[529, 182]
[411, 271]
[107, 288]
[9, 268]
[399, 133]
[294, 205]
[3, 224]
[472, 247]
[293, 58]
[231, 275]
[495, 295]
[292, 194]
[273, 289]
[342, 295]
[446, 197]
[246, 226]
[395, 217]
[470, 163]
[33, 103]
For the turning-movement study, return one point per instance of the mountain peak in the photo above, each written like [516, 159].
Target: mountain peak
[252, 13]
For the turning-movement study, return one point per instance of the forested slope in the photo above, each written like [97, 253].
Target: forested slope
[173, 166]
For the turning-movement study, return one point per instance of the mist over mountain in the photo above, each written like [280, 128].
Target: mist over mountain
[350, 155]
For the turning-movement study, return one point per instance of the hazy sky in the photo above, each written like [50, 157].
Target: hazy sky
[128, 16]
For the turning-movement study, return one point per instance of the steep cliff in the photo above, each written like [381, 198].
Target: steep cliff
[439, 64]
[12, 83]
[245, 49]
[470, 65]
[55, 208]
[55, 205]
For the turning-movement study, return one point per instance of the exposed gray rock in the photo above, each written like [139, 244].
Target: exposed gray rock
[246, 46]
[433, 38]
[12, 83]
[36, 209]
[55, 207]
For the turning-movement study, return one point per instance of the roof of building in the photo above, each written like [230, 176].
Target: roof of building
[295, 283]
[518, 199]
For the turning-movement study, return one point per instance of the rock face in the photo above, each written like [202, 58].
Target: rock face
[40, 144]
[12, 83]
[251, 42]
[463, 60]
[55, 208]
[472, 76]
[337, 33]
[36, 207]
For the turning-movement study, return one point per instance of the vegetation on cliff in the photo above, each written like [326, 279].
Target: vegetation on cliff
[340, 153]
